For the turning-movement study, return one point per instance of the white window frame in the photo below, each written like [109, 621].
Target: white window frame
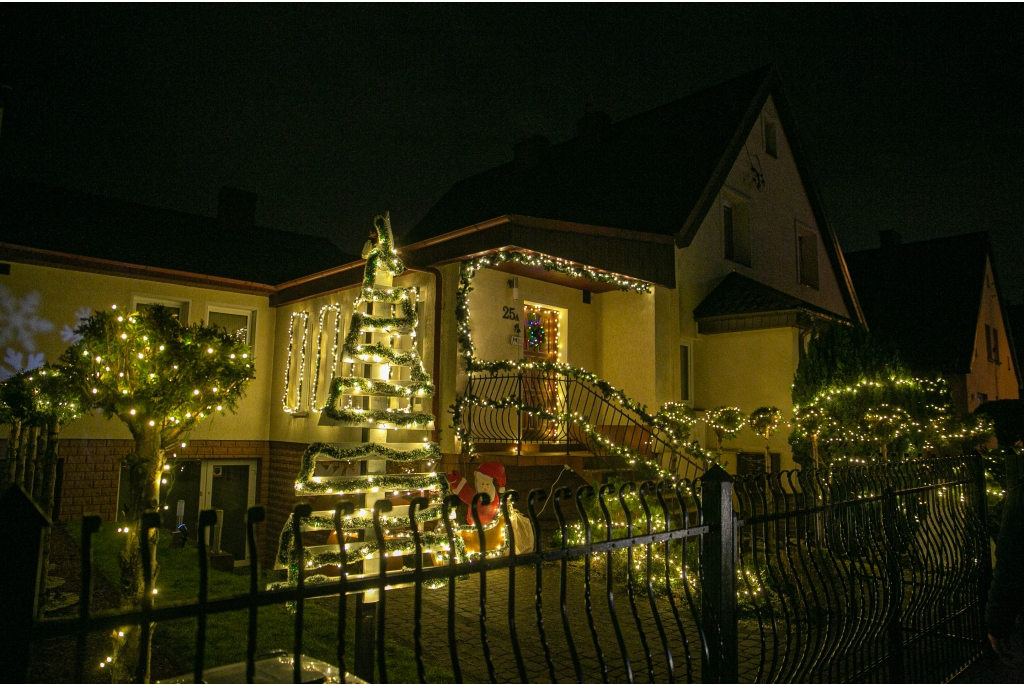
[206, 489]
[183, 305]
[250, 315]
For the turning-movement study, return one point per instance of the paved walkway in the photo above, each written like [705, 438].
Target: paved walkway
[683, 637]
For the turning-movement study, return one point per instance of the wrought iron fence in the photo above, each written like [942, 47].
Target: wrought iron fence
[555, 408]
[850, 574]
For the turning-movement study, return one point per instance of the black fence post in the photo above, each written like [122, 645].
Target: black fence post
[21, 566]
[366, 631]
[719, 596]
[894, 579]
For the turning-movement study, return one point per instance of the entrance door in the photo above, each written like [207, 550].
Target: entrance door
[541, 338]
[230, 485]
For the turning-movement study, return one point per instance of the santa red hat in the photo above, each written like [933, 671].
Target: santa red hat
[495, 470]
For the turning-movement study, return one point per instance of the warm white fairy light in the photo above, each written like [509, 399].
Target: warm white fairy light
[303, 317]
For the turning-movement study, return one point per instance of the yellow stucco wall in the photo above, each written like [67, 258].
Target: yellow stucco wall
[748, 370]
[996, 380]
[51, 299]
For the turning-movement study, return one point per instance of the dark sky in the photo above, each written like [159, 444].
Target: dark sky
[912, 117]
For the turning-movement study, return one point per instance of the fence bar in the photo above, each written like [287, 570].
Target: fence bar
[448, 506]
[610, 580]
[512, 497]
[534, 499]
[563, 591]
[207, 520]
[90, 525]
[719, 561]
[588, 491]
[416, 504]
[381, 507]
[254, 515]
[300, 512]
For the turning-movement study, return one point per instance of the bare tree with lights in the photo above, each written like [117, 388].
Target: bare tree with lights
[161, 379]
[765, 421]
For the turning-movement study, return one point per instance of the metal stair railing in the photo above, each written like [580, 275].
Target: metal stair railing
[559, 407]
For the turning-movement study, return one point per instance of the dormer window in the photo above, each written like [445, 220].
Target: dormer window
[736, 229]
[771, 143]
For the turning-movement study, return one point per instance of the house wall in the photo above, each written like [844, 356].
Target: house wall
[775, 211]
[52, 299]
[748, 370]
[998, 381]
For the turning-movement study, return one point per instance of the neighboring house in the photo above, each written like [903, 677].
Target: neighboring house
[938, 301]
[679, 255]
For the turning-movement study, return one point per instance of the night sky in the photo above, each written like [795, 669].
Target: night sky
[912, 117]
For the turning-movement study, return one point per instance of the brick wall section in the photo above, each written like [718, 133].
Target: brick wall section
[92, 468]
[91, 472]
[285, 458]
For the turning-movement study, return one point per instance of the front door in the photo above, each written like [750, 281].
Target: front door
[542, 331]
[230, 485]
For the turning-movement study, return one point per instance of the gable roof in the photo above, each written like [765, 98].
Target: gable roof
[925, 297]
[657, 172]
[645, 174]
[57, 220]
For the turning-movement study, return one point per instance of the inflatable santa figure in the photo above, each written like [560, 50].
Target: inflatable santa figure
[489, 478]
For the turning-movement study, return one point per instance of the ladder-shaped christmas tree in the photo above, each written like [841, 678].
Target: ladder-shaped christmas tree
[382, 389]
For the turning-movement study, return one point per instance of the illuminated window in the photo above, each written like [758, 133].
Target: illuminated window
[736, 227]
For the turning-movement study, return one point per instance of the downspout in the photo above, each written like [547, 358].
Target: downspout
[436, 401]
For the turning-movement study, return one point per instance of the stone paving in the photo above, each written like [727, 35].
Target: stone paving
[683, 636]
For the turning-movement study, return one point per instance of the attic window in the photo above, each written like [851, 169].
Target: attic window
[736, 229]
[807, 256]
[992, 343]
[771, 144]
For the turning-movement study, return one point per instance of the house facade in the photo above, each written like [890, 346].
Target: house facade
[678, 256]
[939, 303]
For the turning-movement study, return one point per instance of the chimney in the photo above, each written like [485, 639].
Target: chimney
[236, 208]
[527, 153]
[592, 128]
[889, 239]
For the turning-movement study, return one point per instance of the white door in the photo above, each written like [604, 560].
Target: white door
[230, 485]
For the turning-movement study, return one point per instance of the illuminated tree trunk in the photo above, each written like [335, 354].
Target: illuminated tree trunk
[814, 449]
[47, 484]
[145, 466]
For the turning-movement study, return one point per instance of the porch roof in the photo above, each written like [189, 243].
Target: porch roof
[740, 303]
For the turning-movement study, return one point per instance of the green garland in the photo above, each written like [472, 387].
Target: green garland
[393, 294]
[402, 418]
[369, 450]
[370, 386]
[353, 485]
[365, 352]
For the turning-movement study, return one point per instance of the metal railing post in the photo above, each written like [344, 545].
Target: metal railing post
[719, 595]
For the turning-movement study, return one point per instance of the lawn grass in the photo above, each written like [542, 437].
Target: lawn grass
[174, 642]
